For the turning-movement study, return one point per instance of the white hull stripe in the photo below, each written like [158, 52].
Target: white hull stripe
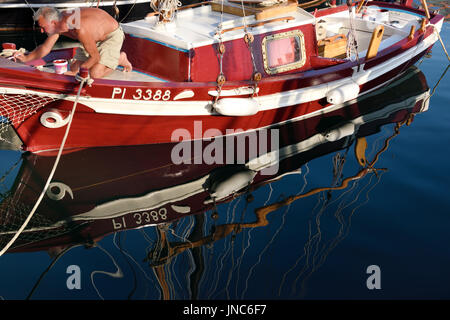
[267, 102]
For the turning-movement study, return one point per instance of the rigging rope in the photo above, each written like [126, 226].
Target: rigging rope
[50, 177]
[433, 91]
[221, 51]
[352, 44]
[36, 285]
[29, 6]
[126, 15]
[249, 38]
[435, 30]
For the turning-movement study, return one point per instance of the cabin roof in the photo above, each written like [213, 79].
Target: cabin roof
[196, 27]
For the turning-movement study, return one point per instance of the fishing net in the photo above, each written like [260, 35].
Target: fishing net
[16, 108]
[40, 227]
[14, 210]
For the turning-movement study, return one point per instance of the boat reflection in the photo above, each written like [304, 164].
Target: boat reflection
[190, 208]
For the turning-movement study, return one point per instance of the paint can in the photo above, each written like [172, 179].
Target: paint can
[60, 66]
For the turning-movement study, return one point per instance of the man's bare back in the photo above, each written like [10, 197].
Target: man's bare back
[93, 21]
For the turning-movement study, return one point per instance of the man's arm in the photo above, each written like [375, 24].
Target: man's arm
[90, 46]
[40, 51]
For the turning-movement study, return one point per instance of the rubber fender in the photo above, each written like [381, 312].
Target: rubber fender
[235, 182]
[343, 131]
[236, 106]
[343, 93]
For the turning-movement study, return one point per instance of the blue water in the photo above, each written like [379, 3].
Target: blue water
[318, 247]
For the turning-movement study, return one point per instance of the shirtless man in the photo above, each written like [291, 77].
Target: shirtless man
[99, 34]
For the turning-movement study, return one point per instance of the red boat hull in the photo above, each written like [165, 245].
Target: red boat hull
[91, 129]
[121, 112]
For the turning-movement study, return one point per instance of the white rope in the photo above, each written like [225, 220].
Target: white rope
[50, 177]
[8, 53]
[352, 46]
[29, 6]
[129, 11]
[165, 8]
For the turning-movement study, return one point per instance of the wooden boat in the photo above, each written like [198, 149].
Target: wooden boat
[216, 66]
[99, 191]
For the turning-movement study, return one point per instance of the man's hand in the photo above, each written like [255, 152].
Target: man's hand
[40, 51]
[19, 56]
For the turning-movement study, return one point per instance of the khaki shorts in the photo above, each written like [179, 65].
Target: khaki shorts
[109, 49]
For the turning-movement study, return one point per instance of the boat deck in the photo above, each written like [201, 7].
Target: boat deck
[196, 27]
[134, 75]
[118, 74]
[397, 25]
[170, 45]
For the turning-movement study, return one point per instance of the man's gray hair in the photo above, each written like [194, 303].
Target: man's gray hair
[48, 13]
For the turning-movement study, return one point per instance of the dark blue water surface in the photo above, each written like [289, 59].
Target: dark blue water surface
[318, 246]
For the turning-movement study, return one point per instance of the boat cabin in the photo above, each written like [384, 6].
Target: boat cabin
[189, 48]
[204, 41]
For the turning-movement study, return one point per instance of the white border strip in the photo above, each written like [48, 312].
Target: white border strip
[268, 102]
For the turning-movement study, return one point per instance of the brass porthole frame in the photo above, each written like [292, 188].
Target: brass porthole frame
[286, 67]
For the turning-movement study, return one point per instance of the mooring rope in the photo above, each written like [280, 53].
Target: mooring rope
[9, 53]
[62, 253]
[435, 30]
[50, 177]
[433, 91]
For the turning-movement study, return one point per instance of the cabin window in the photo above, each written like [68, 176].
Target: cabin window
[283, 51]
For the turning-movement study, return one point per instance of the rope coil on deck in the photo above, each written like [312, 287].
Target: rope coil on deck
[9, 53]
